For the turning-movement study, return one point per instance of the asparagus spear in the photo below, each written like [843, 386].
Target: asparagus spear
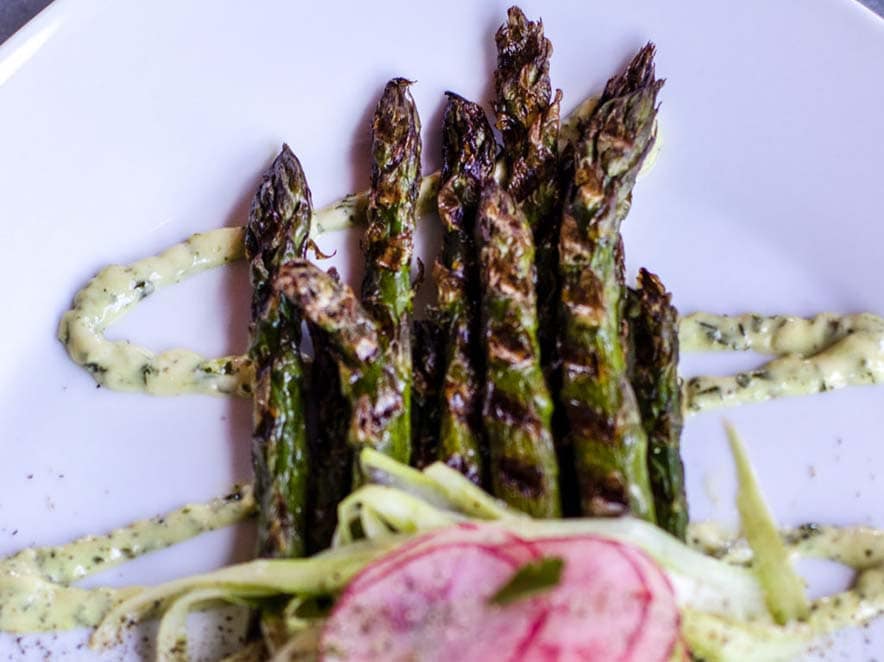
[427, 359]
[653, 325]
[369, 381]
[528, 118]
[517, 405]
[331, 456]
[386, 288]
[468, 151]
[279, 223]
[527, 114]
[637, 87]
[605, 425]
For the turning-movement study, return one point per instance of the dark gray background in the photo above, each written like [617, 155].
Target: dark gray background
[15, 13]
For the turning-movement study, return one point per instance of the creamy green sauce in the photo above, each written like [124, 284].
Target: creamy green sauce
[775, 334]
[35, 591]
[814, 355]
[124, 366]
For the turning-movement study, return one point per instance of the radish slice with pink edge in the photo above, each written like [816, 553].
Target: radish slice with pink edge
[429, 601]
[663, 610]
[433, 605]
[612, 603]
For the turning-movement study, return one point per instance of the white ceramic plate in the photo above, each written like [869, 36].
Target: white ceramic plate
[125, 126]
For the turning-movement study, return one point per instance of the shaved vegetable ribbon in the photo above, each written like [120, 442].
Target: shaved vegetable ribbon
[783, 588]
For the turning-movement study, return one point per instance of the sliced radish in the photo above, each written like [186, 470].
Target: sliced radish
[432, 606]
[613, 603]
[429, 600]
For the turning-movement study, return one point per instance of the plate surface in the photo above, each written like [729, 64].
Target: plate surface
[125, 126]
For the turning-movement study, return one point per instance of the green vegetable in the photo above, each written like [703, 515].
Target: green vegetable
[528, 119]
[380, 469]
[623, 128]
[279, 223]
[529, 580]
[388, 245]
[605, 429]
[468, 151]
[653, 334]
[332, 307]
[438, 484]
[783, 587]
[369, 383]
[517, 406]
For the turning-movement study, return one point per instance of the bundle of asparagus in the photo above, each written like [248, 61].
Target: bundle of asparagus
[533, 315]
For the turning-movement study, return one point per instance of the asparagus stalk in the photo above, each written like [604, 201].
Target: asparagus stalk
[653, 331]
[636, 87]
[528, 118]
[517, 405]
[386, 289]
[369, 381]
[331, 456]
[468, 151]
[605, 427]
[426, 351]
[527, 115]
[279, 223]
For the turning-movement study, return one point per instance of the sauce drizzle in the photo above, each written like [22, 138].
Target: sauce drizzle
[813, 355]
[35, 591]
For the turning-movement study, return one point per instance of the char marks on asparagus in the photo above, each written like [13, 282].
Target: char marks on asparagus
[605, 426]
[528, 119]
[517, 406]
[388, 245]
[653, 333]
[279, 223]
[468, 152]
[368, 381]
